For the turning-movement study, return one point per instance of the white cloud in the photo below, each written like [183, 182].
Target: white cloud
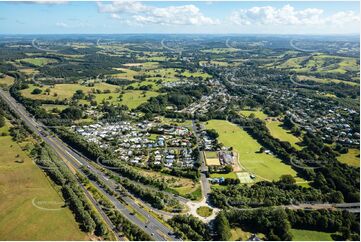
[288, 15]
[49, 2]
[132, 12]
[62, 24]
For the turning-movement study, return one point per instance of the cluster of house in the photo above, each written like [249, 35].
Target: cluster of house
[216, 180]
[225, 157]
[179, 83]
[169, 157]
[207, 143]
[333, 124]
[143, 142]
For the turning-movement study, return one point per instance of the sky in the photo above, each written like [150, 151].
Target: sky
[208, 17]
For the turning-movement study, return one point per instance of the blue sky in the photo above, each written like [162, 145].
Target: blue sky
[218, 17]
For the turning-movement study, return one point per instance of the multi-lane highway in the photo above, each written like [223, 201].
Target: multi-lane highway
[152, 226]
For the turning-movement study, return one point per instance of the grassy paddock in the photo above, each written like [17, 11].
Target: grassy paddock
[39, 61]
[204, 211]
[352, 158]
[7, 81]
[64, 91]
[22, 184]
[275, 128]
[309, 235]
[266, 167]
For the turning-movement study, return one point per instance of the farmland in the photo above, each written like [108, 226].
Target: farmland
[22, 185]
[6, 81]
[266, 167]
[38, 61]
[64, 91]
[275, 127]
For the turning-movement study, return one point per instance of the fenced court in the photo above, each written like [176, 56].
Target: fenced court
[212, 158]
[244, 177]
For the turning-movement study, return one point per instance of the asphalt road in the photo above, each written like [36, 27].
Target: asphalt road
[153, 227]
[204, 181]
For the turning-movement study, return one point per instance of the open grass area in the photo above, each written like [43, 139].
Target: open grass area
[275, 128]
[182, 185]
[224, 175]
[264, 166]
[50, 107]
[7, 81]
[352, 157]
[204, 211]
[239, 234]
[277, 131]
[196, 74]
[125, 73]
[134, 98]
[39, 61]
[321, 63]
[309, 235]
[64, 91]
[257, 113]
[326, 80]
[175, 121]
[23, 184]
[211, 154]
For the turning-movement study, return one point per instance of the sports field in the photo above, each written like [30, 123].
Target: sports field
[264, 166]
[212, 158]
[244, 177]
[30, 207]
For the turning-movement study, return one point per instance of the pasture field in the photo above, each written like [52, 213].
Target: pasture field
[7, 81]
[214, 62]
[149, 81]
[275, 128]
[134, 98]
[326, 80]
[352, 157]
[277, 131]
[257, 113]
[125, 73]
[39, 61]
[64, 91]
[321, 63]
[28, 71]
[178, 122]
[196, 74]
[182, 185]
[23, 184]
[239, 234]
[264, 166]
[309, 235]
